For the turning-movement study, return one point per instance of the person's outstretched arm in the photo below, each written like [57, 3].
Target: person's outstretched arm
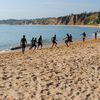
[64, 38]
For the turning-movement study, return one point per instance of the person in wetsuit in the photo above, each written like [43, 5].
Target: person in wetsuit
[95, 35]
[84, 36]
[70, 38]
[23, 43]
[67, 39]
[40, 41]
[54, 41]
[33, 43]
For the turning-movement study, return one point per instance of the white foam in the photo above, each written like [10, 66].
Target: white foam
[4, 51]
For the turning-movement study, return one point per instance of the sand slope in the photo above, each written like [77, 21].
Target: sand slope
[63, 73]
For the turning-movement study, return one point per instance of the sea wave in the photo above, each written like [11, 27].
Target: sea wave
[5, 51]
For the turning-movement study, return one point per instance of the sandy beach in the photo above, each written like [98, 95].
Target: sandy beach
[61, 73]
[91, 26]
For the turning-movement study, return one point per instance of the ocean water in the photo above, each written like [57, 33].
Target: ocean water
[10, 35]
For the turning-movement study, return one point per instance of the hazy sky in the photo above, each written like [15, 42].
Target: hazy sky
[29, 9]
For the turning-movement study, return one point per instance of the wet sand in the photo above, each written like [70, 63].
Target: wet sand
[61, 73]
[91, 26]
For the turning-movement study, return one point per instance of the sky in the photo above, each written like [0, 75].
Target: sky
[31, 9]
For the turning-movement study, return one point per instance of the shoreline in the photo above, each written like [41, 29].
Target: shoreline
[91, 26]
[46, 46]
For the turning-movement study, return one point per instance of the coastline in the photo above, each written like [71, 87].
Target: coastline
[46, 46]
[91, 26]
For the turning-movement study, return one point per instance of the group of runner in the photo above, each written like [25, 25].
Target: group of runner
[39, 43]
[34, 43]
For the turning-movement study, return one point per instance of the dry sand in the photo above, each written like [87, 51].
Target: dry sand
[62, 73]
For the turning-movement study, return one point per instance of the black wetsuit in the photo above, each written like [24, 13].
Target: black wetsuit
[70, 38]
[34, 41]
[95, 35]
[40, 42]
[23, 44]
[84, 36]
[67, 39]
[54, 40]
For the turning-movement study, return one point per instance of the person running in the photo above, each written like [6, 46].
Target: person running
[70, 38]
[23, 43]
[40, 41]
[67, 40]
[54, 41]
[95, 35]
[33, 43]
[84, 36]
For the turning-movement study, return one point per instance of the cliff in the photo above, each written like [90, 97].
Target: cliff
[73, 19]
[80, 19]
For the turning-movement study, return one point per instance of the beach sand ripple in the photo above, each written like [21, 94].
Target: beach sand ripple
[62, 73]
